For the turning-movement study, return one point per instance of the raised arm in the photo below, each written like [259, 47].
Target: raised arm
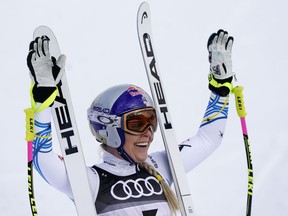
[212, 128]
[45, 73]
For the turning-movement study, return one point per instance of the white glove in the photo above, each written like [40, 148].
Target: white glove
[44, 72]
[220, 48]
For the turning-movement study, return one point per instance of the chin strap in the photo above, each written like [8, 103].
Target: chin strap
[124, 155]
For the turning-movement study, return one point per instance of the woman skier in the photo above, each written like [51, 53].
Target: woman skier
[122, 118]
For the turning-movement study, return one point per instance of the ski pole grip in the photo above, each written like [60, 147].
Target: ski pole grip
[29, 124]
[239, 100]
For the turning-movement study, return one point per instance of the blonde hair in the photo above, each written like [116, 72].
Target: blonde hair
[169, 194]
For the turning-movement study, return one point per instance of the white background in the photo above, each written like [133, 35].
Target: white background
[101, 44]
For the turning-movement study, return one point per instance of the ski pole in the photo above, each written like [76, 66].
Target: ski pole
[240, 107]
[29, 138]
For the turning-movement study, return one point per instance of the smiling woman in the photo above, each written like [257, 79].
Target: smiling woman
[129, 130]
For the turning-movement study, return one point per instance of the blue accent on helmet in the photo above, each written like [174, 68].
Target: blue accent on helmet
[131, 99]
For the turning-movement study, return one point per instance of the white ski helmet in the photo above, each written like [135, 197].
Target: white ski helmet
[106, 110]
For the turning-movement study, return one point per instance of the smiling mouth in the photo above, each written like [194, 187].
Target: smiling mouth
[142, 145]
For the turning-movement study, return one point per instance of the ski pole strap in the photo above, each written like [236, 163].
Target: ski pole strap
[239, 99]
[216, 84]
[46, 103]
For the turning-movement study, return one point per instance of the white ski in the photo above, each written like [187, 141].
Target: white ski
[156, 86]
[69, 140]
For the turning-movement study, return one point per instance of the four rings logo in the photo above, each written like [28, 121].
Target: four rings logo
[123, 190]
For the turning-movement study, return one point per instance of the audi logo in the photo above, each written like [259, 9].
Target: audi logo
[136, 188]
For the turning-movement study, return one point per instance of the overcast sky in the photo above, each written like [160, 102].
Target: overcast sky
[100, 41]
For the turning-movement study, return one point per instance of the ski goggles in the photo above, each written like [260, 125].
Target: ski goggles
[137, 122]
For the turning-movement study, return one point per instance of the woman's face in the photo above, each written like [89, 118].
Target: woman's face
[136, 146]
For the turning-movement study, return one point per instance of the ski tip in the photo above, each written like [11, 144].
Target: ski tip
[42, 28]
[144, 3]
[143, 13]
[53, 44]
[144, 6]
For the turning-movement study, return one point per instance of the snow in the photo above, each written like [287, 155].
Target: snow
[101, 44]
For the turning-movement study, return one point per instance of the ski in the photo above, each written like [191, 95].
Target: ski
[168, 134]
[69, 140]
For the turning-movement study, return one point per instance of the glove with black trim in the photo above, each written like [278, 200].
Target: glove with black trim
[221, 75]
[45, 71]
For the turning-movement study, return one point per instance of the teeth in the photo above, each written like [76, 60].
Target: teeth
[142, 144]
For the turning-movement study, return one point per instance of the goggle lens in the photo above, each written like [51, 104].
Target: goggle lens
[137, 122]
